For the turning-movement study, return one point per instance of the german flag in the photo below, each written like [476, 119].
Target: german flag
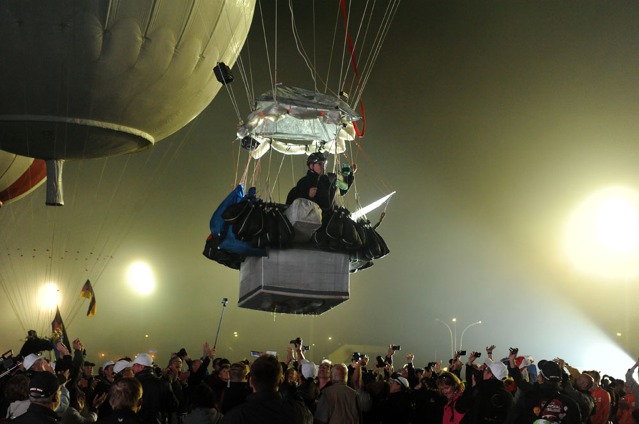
[59, 334]
[87, 292]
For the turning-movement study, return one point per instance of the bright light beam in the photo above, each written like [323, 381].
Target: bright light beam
[372, 206]
[602, 234]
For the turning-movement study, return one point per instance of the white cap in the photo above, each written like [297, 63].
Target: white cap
[107, 364]
[143, 359]
[400, 380]
[120, 365]
[31, 359]
[309, 369]
[497, 368]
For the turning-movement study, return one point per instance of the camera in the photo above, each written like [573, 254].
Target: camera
[396, 347]
[461, 352]
[514, 350]
[9, 363]
[381, 363]
[477, 354]
[357, 356]
[297, 341]
[255, 354]
[306, 347]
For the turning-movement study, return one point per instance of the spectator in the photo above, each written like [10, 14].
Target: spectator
[76, 413]
[158, 400]
[122, 369]
[324, 373]
[103, 386]
[177, 380]
[626, 404]
[397, 406]
[452, 388]
[203, 406]
[16, 396]
[308, 388]
[265, 405]
[238, 388]
[44, 395]
[429, 402]
[337, 402]
[577, 386]
[542, 399]
[125, 398]
[602, 400]
[491, 402]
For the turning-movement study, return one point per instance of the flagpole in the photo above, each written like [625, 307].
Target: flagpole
[224, 302]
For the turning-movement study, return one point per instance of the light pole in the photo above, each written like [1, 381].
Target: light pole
[452, 346]
[455, 327]
[453, 334]
[461, 339]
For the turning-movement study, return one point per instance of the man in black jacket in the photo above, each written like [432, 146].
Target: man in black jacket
[44, 395]
[491, 402]
[543, 399]
[158, 400]
[318, 186]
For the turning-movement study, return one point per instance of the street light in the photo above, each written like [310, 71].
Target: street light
[453, 334]
[455, 327]
[452, 346]
[461, 339]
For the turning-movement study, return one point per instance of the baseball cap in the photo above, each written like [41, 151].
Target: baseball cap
[120, 365]
[399, 380]
[43, 384]
[143, 359]
[309, 370]
[31, 359]
[549, 370]
[522, 362]
[88, 364]
[107, 364]
[497, 368]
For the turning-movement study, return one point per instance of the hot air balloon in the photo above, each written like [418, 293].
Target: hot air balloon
[19, 176]
[308, 275]
[86, 79]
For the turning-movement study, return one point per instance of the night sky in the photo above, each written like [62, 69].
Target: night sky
[493, 121]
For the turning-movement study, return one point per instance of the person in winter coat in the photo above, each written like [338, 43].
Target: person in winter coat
[490, 401]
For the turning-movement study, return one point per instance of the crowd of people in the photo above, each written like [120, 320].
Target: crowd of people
[389, 389]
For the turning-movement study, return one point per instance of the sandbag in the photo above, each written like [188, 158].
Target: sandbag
[305, 216]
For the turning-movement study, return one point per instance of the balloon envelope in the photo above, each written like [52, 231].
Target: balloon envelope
[96, 78]
[19, 175]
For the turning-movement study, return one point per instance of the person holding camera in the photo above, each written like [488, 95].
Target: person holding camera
[427, 400]
[543, 399]
[491, 402]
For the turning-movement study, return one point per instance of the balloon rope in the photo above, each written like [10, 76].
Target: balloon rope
[355, 70]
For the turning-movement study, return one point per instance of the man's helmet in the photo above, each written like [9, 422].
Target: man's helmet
[315, 158]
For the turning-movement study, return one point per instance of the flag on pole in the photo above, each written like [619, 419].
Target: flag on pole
[59, 334]
[87, 292]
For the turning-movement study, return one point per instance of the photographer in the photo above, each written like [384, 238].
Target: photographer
[491, 402]
[357, 371]
[429, 402]
[396, 407]
[542, 399]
